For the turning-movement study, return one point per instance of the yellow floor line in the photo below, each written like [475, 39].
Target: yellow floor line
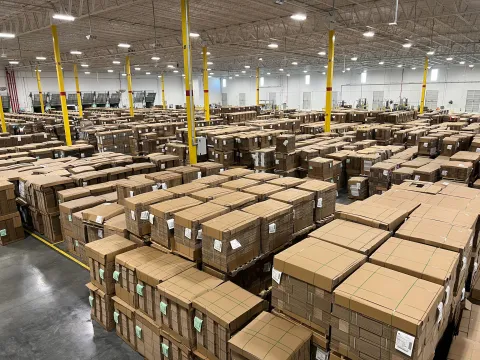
[58, 250]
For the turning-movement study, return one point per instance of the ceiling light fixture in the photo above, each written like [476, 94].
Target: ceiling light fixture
[268, 73]
[280, 69]
[87, 72]
[414, 68]
[322, 53]
[431, 52]
[84, 65]
[13, 62]
[400, 65]
[63, 17]
[124, 45]
[170, 66]
[5, 35]
[209, 63]
[159, 76]
[299, 17]
[323, 73]
[194, 35]
[155, 58]
[294, 63]
[247, 66]
[124, 74]
[449, 59]
[273, 46]
[288, 74]
[243, 71]
[260, 59]
[462, 62]
[348, 69]
[354, 58]
[41, 58]
[237, 75]
[381, 63]
[138, 69]
[407, 45]
[75, 52]
[175, 71]
[369, 34]
[147, 73]
[110, 70]
[116, 62]
[212, 73]
[305, 71]
[471, 66]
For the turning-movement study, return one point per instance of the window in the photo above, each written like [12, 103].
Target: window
[363, 77]
[434, 75]
[307, 100]
[262, 81]
[307, 79]
[473, 101]
[431, 99]
[224, 83]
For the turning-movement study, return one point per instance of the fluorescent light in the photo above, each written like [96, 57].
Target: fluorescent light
[175, 71]
[307, 79]
[247, 66]
[363, 77]
[209, 69]
[155, 58]
[407, 45]
[392, 23]
[124, 74]
[63, 17]
[348, 69]
[288, 74]
[75, 52]
[87, 72]
[429, 67]
[116, 62]
[343, 71]
[325, 66]
[13, 62]
[434, 75]
[237, 75]
[299, 17]
[208, 52]
[323, 73]
[209, 76]
[110, 70]
[41, 58]
[273, 46]
[462, 62]
[471, 66]
[268, 73]
[414, 68]
[209, 63]
[138, 69]
[39, 70]
[243, 71]
[123, 45]
[280, 69]
[260, 59]
[183, 75]
[294, 63]
[170, 66]
[305, 71]
[4, 35]
[381, 63]
[147, 73]
[84, 65]
[430, 52]
[194, 35]
[369, 34]
[449, 59]
[212, 73]
[400, 65]
[159, 76]
[354, 58]
[322, 53]
[230, 77]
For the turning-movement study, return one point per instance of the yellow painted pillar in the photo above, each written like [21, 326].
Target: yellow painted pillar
[424, 85]
[328, 101]
[164, 103]
[77, 86]
[129, 84]
[187, 64]
[206, 97]
[61, 85]
[258, 86]
[2, 116]
[40, 94]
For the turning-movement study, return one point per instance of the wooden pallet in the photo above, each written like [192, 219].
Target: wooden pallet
[325, 220]
[304, 231]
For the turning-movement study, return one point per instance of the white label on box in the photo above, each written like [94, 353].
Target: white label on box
[385, 172]
[199, 234]
[188, 233]
[131, 193]
[285, 143]
[475, 268]
[216, 156]
[449, 147]
[69, 217]
[217, 245]
[19, 138]
[354, 191]
[444, 172]
[425, 144]
[277, 162]
[358, 186]
[272, 228]
[464, 262]
[45, 136]
[440, 312]
[150, 218]
[235, 244]
[132, 214]
[199, 174]
[417, 177]
[99, 219]
[162, 166]
[154, 187]
[321, 355]
[170, 224]
[164, 186]
[100, 233]
[463, 294]
[320, 202]
[222, 170]
[477, 150]
[144, 215]
[348, 161]
[276, 275]
[409, 138]
[404, 343]
[85, 184]
[447, 296]
[225, 156]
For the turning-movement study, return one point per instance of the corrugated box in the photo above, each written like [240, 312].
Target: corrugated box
[235, 200]
[131, 187]
[68, 208]
[186, 189]
[236, 173]
[116, 226]
[189, 173]
[221, 312]
[357, 187]
[212, 180]
[11, 229]
[209, 168]
[124, 318]
[320, 168]
[287, 182]
[231, 240]
[239, 184]
[165, 179]
[262, 177]
[101, 307]
[325, 197]
[148, 337]
[101, 258]
[210, 193]
[7, 198]
[72, 194]
[457, 170]
[263, 191]
[174, 298]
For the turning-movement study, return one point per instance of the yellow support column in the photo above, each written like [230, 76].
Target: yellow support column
[258, 86]
[424, 85]
[187, 64]
[328, 101]
[61, 85]
[40, 94]
[206, 97]
[164, 103]
[2, 116]
[77, 86]
[129, 84]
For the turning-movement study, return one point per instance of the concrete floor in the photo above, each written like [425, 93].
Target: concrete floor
[44, 310]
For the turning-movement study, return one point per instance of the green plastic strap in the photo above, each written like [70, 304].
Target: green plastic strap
[76, 243]
[90, 300]
[197, 324]
[116, 275]
[115, 316]
[3, 232]
[138, 331]
[163, 308]
[165, 349]
[101, 272]
[140, 289]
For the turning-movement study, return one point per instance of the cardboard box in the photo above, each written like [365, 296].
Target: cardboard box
[148, 337]
[172, 349]
[235, 200]
[287, 182]
[325, 197]
[275, 226]
[209, 168]
[116, 226]
[72, 194]
[136, 210]
[161, 217]
[68, 208]
[76, 248]
[189, 173]
[231, 240]
[7, 198]
[11, 229]
[320, 168]
[304, 276]
[165, 179]
[79, 229]
[269, 334]
[153, 273]
[239, 184]
[101, 258]
[100, 213]
[188, 229]
[356, 237]
[261, 177]
[212, 180]
[393, 202]
[174, 298]
[124, 318]
[463, 349]
[131, 187]
[186, 189]
[220, 313]
[236, 173]
[101, 307]
[457, 170]
[263, 191]
[303, 207]
[371, 319]
[357, 187]
[402, 174]
[210, 193]
[44, 189]
[428, 146]
[125, 274]
[102, 189]
[285, 143]
[429, 172]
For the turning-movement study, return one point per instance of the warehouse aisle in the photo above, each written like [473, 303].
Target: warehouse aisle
[44, 310]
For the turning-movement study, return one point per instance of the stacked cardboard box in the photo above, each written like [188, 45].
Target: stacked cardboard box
[186, 189]
[165, 179]
[287, 182]
[358, 188]
[457, 171]
[212, 180]
[219, 314]
[134, 186]
[95, 217]
[380, 178]
[401, 174]
[210, 193]
[117, 226]
[325, 197]
[11, 228]
[235, 200]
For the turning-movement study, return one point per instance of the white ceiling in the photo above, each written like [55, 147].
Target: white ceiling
[237, 33]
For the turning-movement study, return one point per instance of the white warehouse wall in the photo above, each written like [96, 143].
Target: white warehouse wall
[452, 84]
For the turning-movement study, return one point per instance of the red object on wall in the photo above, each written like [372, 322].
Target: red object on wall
[12, 89]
